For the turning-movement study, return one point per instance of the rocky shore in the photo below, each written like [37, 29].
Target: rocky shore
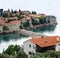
[41, 26]
[26, 31]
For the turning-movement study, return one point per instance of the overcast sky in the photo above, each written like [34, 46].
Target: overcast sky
[43, 6]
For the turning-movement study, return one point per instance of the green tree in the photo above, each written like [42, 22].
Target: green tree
[17, 48]
[42, 20]
[1, 12]
[12, 50]
[12, 11]
[20, 16]
[26, 23]
[19, 10]
[15, 11]
[9, 50]
[9, 21]
[1, 56]
[21, 55]
[34, 22]
[5, 27]
[6, 56]
[47, 54]
[34, 12]
[5, 15]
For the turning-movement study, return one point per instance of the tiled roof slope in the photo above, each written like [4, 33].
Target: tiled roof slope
[46, 41]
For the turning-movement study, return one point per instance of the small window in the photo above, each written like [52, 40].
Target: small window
[59, 44]
[29, 45]
[30, 53]
[33, 53]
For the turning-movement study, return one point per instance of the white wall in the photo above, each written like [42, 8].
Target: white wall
[1, 29]
[28, 49]
[14, 27]
[52, 19]
[57, 48]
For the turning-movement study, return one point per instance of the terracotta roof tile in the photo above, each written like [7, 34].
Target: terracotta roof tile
[14, 22]
[46, 41]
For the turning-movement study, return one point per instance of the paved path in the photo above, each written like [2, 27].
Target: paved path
[29, 33]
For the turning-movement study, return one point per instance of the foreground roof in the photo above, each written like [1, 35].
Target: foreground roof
[46, 41]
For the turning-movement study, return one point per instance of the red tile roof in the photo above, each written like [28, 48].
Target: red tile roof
[46, 41]
[27, 18]
[14, 22]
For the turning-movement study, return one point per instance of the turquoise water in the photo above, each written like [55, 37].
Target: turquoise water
[8, 39]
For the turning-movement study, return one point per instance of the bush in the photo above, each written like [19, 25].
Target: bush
[34, 12]
[12, 50]
[34, 22]
[42, 20]
[21, 55]
[5, 27]
[26, 24]
[47, 54]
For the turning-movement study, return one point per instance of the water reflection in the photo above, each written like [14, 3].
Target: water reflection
[11, 39]
[44, 29]
[13, 36]
[4, 44]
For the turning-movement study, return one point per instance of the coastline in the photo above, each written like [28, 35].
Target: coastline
[41, 26]
[28, 32]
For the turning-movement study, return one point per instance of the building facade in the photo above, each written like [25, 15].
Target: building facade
[1, 29]
[41, 44]
[13, 26]
[51, 19]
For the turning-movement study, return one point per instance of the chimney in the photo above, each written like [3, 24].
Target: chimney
[57, 39]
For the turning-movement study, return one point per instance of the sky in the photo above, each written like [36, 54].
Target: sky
[42, 6]
[48, 7]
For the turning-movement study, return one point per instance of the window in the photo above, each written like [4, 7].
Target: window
[34, 47]
[33, 53]
[30, 53]
[59, 44]
[29, 45]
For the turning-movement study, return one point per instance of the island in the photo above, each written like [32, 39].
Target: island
[17, 21]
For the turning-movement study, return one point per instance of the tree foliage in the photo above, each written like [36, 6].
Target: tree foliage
[12, 50]
[34, 12]
[34, 22]
[1, 12]
[26, 23]
[42, 20]
[6, 15]
[5, 27]
[21, 55]
[20, 16]
[48, 54]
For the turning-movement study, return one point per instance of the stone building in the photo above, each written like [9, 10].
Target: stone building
[51, 19]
